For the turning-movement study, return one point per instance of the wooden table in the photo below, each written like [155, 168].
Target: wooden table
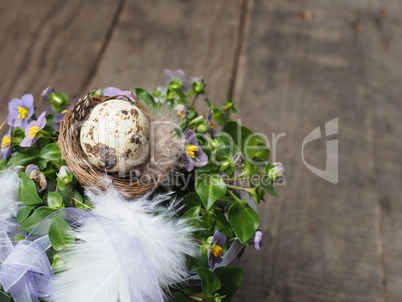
[292, 66]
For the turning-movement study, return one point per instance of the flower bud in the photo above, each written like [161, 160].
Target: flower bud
[258, 236]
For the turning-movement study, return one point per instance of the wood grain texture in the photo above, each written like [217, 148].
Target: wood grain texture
[196, 36]
[303, 64]
[300, 65]
[50, 43]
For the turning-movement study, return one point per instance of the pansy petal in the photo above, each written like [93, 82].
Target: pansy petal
[202, 159]
[29, 126]
[42, 120]
[111, 91]
[11, 119]
[21, 123]
[26, 142]
[27, 101]
[13, 105]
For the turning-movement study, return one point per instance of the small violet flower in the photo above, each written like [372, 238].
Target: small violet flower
[278, 171]
[32, 131]
[215, 249]
[177, 75]
[6, 143]
[35, 174]
[193, 156]
[258, 240]
[46, 94]
[60, 117]
[112, 91]
[64, 176]
[181, 110]
[20, 110]
[211, 124]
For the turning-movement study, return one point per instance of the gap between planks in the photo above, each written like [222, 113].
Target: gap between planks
[104, 46]
[242, 31]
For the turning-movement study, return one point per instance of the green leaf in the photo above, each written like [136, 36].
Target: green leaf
[24, 213]
[22, 159]
[57, 262]
[251, 144]
[209, 281]
[32, 221]
[19, 238]
[209, 219]
[269, 188]
[2, 164]
[65, 192]
[227, 146]
[193, 212]
[51, 152]
[61, 234]
[222, 225]
[210, 188]
[4, 297]
[27, 192]
[244, 220]
[193, 199]
[231, 278]
[54, 201]
[145, 98]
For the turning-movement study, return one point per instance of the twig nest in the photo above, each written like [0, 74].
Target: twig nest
[115, 136]
[95, 176]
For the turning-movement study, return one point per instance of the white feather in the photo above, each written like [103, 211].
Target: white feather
[93, 269]
[9, 204]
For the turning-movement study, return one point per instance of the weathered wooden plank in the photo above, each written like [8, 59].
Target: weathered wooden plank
[50, 43]
[384, 73]
[196, 36]
[304, 64]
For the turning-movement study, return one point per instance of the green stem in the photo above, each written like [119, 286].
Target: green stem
[195, 298]
[193, 121]
[235, 188]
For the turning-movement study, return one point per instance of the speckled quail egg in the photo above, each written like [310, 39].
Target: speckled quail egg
[115, 136]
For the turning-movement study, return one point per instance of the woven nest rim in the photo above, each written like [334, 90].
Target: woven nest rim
[87, 174]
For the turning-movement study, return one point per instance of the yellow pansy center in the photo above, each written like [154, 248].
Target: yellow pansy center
[191, 149]
[23, 113]
[212, 124]
[40, 183]
[33, 132]
[6, 142]
[180, 113]
[216, 250]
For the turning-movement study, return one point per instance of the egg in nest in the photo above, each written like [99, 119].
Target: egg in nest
[115, 136]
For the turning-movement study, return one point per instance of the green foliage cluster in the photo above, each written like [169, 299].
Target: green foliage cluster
[238, 161]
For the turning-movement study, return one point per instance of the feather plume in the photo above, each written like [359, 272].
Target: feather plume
[111, 259]
[9, 204]
[164, 152]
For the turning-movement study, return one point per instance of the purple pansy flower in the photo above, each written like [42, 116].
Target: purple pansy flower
[211, 124]
[258, 240]
[59, 117]
[215, 249]
[177, 74]
[32, 131]
[181, 110]
[193, 156]
[46, 94]
[20, 110]
[6, 143]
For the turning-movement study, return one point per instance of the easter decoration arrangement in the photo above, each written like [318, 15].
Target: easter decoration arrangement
[129, 196]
